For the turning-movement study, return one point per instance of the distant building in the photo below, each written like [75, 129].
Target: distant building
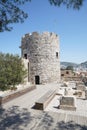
[69, 75]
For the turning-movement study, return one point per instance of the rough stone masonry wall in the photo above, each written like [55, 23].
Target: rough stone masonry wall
[41, 50]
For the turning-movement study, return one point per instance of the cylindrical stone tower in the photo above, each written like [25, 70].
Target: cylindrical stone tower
[42, 52]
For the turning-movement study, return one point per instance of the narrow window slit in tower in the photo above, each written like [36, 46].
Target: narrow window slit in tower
[56, 54]
[25, 56]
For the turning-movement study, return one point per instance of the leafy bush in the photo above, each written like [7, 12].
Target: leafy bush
[12, 71]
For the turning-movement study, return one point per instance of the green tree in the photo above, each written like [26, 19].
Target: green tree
[12, 71]
[69, 68]
[11, 12]
[76, 4]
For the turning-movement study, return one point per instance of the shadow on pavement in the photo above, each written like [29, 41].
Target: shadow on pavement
[14, 118]
[70, 126]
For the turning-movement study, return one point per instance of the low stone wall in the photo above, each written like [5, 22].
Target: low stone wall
[72, 78]
[15, 94]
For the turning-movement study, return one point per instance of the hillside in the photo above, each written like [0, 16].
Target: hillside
[82, 65]
[65, 64]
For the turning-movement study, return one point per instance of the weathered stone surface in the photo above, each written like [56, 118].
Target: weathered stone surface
[43, 53]
[86, 94]
[67, 103]
[42, 103]
[81, 87]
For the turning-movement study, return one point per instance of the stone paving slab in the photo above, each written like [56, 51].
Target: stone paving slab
[19, 114]
[17, 118]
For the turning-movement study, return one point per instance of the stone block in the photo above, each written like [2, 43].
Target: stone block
[67, 103]
[42, 103]
[81, 87]
[86, 94]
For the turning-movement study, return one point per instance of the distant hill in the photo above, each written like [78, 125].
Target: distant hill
[82, 65]
[65, 64]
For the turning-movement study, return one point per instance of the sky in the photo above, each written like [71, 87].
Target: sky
[70, 25]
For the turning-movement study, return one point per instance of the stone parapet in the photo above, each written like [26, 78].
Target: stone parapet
[15, 94]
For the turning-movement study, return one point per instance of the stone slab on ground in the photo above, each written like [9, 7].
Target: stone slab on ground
[81, 87]
[42, 102]
[67, 103]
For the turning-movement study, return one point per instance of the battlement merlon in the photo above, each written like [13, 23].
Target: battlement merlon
[36, 34]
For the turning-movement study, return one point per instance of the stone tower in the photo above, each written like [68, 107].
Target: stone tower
[42, 54]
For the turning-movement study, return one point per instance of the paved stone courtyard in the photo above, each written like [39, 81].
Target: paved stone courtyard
[19, 114]
[81, 107]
